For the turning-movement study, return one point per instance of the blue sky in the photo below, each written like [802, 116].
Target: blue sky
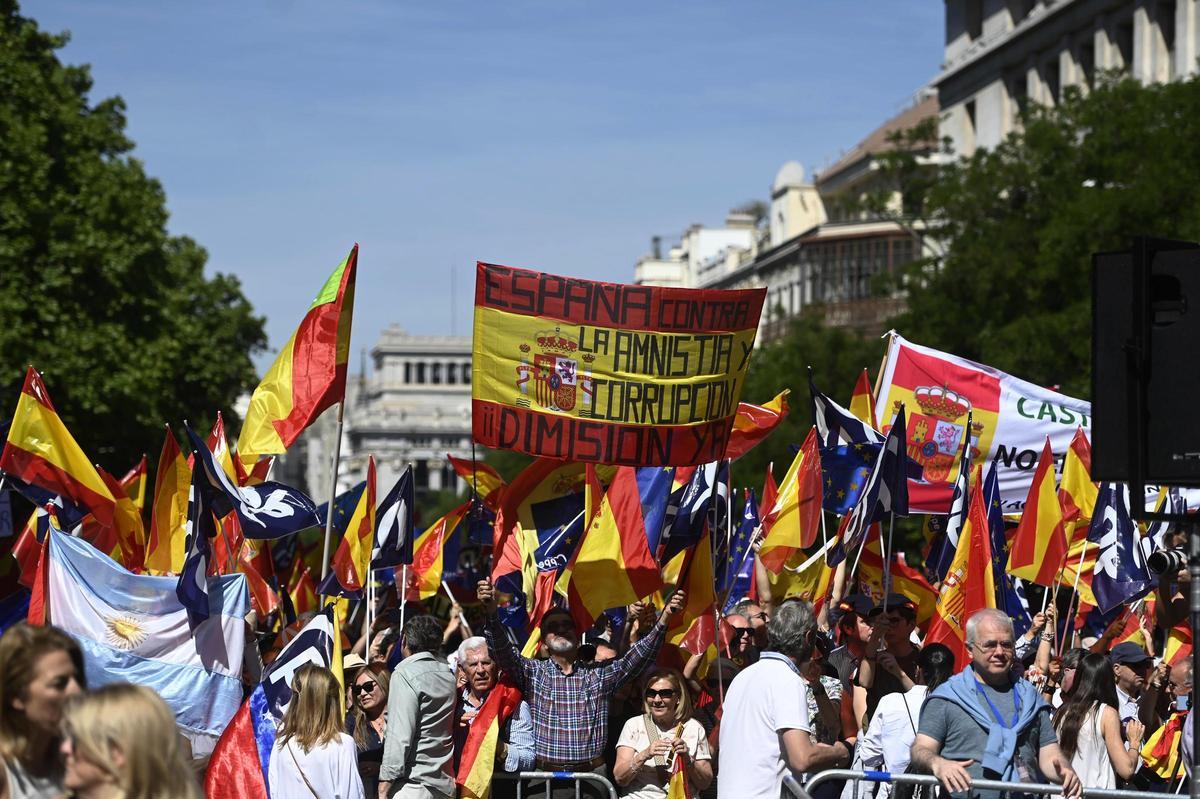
[550, 135]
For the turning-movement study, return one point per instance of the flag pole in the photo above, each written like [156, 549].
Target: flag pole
[462, 622]
[402, 592]
[1075, 593]
[337, 455]
[370, 608]
[887, 561]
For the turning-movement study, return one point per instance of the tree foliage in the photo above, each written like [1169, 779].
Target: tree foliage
[118, 314]
[1020, 223]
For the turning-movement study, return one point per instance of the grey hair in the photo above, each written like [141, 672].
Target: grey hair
[474, 642]
[790, 630]
[742, 608]
[993, 615]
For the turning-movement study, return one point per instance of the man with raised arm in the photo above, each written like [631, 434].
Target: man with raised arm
[569, 698]
[984, 723]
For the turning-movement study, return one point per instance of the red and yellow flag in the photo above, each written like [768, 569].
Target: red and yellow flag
[1179, 643]
[1039, 547]
[352, 563]
[263, 598]
[309, 374]
[127, 524]
[794, 520]
[1076, 491]
[862, 402]
[905, 580]
[41, 451]
[425, 573]
[613, 565]
[134, 484]
[1161, 750]
[478, 760]
[753, 423]
[303, 589]
[487, 482]
[168, 515]
[694, 629]
[969, 585]
[678, 787]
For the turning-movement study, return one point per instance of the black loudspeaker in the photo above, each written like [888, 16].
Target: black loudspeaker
[1146, 364]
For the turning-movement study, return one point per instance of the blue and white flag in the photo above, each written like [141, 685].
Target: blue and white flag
[394, 525]
[1121, 574]
[266, 511]
[836, 425]
[942, 548]
[191, 586]
[703, 500]
[886, 493]
[133, 628]
[1010, 594]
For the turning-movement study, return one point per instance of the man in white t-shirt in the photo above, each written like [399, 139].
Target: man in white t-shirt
[765, 727]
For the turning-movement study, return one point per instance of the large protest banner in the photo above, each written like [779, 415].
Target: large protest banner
[608, 373]
[1010, 420]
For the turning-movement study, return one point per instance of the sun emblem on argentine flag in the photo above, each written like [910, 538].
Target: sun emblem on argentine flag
[124, 631]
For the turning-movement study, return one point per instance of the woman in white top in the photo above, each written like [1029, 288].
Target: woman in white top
[893, 728]
[312, 756]
[649, 743]
[1089, 727]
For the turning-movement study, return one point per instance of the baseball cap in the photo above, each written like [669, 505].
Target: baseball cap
[1128, 653]
[896, 602]
[854, 603]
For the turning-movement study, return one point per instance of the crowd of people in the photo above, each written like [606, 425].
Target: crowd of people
[793, 692]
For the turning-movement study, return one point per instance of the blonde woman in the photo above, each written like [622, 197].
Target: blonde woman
[313, 756]
[649, 743]
[368, 721]
[40, 669]
[120, 742]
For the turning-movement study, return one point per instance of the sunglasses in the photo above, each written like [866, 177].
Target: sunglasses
[364, 687]
[663, 693]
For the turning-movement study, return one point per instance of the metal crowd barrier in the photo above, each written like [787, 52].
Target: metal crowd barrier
[792, 786]
[579, 777]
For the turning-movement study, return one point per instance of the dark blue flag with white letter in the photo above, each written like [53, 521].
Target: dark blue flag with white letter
[886, 493]
[192, 587]
[1121, 574]
[266, 511]
[835, 424]
[702, 501]
[394, 525]
[1010, 596]
[942, 548]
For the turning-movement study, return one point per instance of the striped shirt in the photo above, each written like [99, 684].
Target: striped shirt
[570, 711]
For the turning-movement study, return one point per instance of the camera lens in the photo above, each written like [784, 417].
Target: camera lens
[1165, 561]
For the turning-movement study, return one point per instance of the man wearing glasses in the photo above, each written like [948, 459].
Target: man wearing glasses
[569, 699]
[984, 723]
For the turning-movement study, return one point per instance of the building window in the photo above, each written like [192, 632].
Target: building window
[408, 376]
[1087, 60]
[421, 373]
[451, 374]
[466, 374]
[1050, 78]
[1164, 15]
[974, 21]
[1123, 39]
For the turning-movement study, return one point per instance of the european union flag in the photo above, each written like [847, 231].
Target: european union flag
[739, 570]
[845, 470]
[886, 492]
[702, 501]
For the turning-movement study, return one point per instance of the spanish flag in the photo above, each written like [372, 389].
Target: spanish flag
[752, 423]
[862, 402]
[613, 565]
[1161, 750]
[1179, 643]
[309, 374]
[168, 516]
[905, 580]
[678, 787]
[425, 573]
[969, 585]
[486, 481]
[134, 484]
[127, 524]
[41, 451]
[794, 520]
[302, 590]
[350, 569]
[1076, 492]
[477, 762]
[1039, 547]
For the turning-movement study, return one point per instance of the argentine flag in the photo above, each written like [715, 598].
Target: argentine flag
[133, 628]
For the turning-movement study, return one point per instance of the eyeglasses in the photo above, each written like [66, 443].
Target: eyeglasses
[989, 646]
[663, 693]
[364, 687]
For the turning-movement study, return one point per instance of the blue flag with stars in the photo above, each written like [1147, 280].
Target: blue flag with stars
[739, 570]
[845, 470]
[886, 493]
[702, 501]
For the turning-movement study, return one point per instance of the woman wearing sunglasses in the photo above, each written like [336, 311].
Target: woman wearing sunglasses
[368, 721]
[649, 743]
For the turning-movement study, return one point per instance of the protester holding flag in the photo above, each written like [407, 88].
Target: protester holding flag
[569, 700]
[514, 739]
[121, 740]
[418, 747]
[984, 709]
[1089, 727]
[313, 756]
[650, 742]
[368, 719]
[40, 669]
[890, 663]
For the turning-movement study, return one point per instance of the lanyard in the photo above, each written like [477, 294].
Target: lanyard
[996, 711]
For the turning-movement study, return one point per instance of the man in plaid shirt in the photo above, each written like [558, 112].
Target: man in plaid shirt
[568, 699]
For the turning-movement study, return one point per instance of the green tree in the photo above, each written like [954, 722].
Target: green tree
[118, 314]
[1020, 223]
